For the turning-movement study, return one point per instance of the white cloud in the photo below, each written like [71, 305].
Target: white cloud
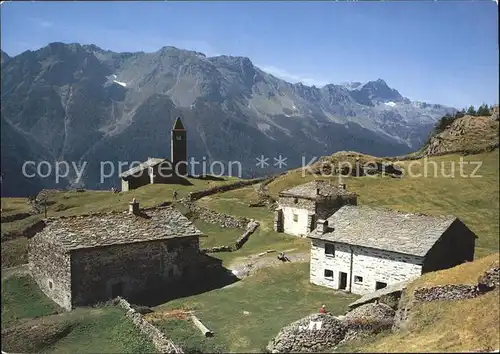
[46, 24]
[293, 78]
[40, 22]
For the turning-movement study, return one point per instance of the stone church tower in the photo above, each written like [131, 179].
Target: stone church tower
[178, 146]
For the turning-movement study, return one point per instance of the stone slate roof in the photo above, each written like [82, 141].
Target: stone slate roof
[309, 190]
[105, 229]
[385, 229]
[151, 162]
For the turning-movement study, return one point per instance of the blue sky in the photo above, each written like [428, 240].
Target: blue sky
[441, 52]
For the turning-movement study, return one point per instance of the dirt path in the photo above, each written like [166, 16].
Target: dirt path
[245, 267]
[15, 271]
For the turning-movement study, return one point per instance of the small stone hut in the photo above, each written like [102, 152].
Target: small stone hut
[300, 207]
[81, 260]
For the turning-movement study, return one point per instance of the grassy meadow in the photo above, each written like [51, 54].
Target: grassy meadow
[31, 322]
[247, 314]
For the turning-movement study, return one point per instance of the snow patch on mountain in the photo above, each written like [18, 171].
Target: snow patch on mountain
[120, 83]
[390, 104]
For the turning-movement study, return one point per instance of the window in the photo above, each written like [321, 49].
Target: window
[380, 285]
[178, 137]
[295, 200]
[295, 217]
[328, 274]
[358, 279]
[330, 249]
[51, 285]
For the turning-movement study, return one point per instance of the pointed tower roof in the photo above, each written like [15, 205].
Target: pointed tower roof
[178, 124]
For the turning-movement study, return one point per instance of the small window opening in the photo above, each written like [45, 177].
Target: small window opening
[328, 274]
[330, 249]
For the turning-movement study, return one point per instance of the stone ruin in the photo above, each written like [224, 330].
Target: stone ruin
[309, 335]
[320, 332]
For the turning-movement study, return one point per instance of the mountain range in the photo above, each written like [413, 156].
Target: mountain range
[80, 103]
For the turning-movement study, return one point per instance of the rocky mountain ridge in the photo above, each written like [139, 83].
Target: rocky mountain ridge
[466, 134]
[83, 104]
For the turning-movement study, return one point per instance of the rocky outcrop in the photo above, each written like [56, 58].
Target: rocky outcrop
[45, 194]
[312, 334]
[355, 166]
[495, 110]
[489, 280]
[463, 134]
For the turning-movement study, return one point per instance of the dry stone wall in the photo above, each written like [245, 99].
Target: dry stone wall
[446, 292]
[160, 341]
[213, 217]
[489, 281]
[220, 189]
[251, 227]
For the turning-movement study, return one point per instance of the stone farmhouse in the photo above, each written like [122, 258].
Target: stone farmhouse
[300, 207]
[161, 170]
[361, 249]
[82, 260]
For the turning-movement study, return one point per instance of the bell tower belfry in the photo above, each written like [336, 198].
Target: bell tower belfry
[178, 148]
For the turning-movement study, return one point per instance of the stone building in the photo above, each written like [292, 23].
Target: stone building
[161, 170]
[300, 207]
[361, 249]
[81, 260]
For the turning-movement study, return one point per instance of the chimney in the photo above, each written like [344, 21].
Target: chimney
[322, 225]
[133, 207]
[342, 186]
